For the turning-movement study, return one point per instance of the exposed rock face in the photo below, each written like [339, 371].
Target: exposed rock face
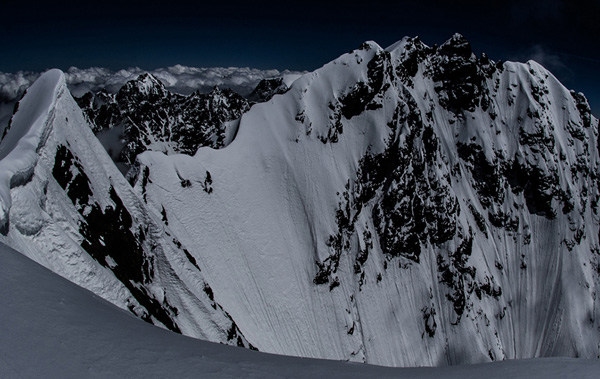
[266, 89]
[144, 115]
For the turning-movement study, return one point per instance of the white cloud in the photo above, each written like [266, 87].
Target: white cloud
[183, 79]
[13, 85]
[178, 78]
[546, 59]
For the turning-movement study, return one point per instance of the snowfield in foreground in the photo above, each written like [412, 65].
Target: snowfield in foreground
[53, 328]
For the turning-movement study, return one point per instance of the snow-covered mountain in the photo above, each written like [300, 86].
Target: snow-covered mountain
[66, 206]
[177, 79]
[402, 206]
[405, 206]
[144, 115]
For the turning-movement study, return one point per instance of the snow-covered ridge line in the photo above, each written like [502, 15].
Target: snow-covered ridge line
[19, 144]
[403, 206]
[178, 79]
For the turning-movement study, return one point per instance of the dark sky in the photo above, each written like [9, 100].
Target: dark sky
[301, 35]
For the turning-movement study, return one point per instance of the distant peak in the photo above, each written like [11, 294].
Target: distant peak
[145, 84]
[149, 78]
[456, 45]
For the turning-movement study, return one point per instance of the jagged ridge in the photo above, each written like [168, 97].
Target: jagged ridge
[144, 115]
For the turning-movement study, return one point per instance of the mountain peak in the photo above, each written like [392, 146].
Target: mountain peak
[398, 207]
[148, 78]
[145, 85]
[368, 45]
[457, 45]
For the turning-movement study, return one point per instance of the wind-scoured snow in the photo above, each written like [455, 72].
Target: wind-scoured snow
[53, 328]
[18, 146]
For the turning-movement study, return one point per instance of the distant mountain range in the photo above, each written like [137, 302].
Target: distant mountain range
[402, 206]
[144, 115]
[178, 79]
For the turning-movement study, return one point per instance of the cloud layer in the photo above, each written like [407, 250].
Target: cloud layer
[178, 78]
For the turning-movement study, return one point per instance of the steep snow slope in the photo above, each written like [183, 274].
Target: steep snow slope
[65, 205]
[53, 328]
[405, 206]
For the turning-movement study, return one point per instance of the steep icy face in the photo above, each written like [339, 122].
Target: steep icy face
[403, 206]
[144, 115]
[66, 206]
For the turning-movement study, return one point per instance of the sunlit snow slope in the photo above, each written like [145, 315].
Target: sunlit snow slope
[405, 206]
[54, 329]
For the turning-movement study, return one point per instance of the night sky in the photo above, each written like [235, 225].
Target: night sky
[564, 36]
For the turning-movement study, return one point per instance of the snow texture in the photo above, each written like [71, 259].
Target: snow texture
[402, 206]
[52, 328]
[19, 148]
